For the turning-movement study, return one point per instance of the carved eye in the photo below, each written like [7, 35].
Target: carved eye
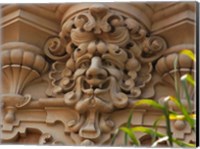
[110, 64]
[118, 51]
[84, 64]
[117, 67]
[107, 63]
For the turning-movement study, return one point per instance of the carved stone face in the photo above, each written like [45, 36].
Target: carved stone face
[103, 70]
[103, 61]
[99, 66]
[99, 69]
[99, 75]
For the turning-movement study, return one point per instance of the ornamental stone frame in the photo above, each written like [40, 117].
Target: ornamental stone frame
[71, 73]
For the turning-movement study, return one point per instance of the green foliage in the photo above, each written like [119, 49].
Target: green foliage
[131, 135]
[188, 78]
[168, 115]
[114, 136]
[149, 102]
[188, 53]
[128, 126]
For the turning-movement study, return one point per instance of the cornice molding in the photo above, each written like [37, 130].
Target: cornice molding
[173, 20]
[172, 9]
[31, 19]
[43, 11]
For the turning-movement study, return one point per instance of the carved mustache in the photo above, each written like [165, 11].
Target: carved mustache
[116, 98]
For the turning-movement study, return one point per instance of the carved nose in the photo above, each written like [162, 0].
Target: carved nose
[95, 70]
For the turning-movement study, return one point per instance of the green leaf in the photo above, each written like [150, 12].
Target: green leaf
[150, 131]
[183, 110]
[184, 85]
[173, 99]
[114, 136]
[176, 79]
[180, 117]
[149, 102]
[188, 118]
[165, 138]
[155, 126]
[128, 126]
[189, 78]
[193, 116]
[131, 135]
[166, 113]
[183, 144]
[176, 117]
[188, 53]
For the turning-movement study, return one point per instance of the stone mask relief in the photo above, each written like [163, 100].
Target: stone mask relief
[103, 60]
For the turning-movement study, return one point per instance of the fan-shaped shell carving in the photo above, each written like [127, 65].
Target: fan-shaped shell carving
[167, 64]
[168, 68]
[19, 68]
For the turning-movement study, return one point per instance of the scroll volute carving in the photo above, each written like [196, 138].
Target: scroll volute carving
[108, 62]
[21, 64]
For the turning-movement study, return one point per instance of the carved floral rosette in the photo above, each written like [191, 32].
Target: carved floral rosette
[103, 60]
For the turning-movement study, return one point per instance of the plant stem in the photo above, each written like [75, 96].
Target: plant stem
[176, 80]
[187, 95]
[166, 112]
[128, 126]
[114, 137]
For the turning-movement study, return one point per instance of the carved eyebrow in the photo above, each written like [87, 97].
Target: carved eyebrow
[113, 59]
[83, 58]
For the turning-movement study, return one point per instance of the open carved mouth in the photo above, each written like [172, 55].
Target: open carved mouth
[96, 84]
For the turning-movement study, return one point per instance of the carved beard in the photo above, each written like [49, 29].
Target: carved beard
[104, 98]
